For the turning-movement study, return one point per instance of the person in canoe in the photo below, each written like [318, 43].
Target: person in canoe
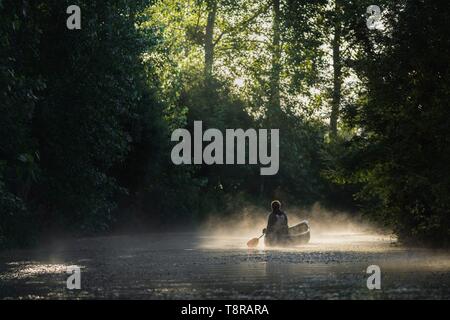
[277, 231]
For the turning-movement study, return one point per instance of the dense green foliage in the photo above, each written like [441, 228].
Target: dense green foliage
[402, 155]
[86, 115]
[74, 106]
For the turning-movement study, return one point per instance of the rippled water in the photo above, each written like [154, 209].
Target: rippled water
[186, 266]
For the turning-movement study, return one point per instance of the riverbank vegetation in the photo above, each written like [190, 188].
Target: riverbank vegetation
[86, 115]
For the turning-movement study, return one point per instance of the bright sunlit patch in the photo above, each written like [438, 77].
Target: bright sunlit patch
[29, 270]
[239, 82]
[322, 242]
[347, 237]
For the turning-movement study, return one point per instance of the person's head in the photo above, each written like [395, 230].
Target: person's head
[276, 205]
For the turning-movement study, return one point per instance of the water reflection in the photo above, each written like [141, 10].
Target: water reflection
[25, 270]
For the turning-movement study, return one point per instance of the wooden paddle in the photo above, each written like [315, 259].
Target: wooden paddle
[254, 242]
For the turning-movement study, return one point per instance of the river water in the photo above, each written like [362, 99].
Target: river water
[207, 266]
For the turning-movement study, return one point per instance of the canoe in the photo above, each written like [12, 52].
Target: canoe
[300, 239]
[298, 235]
[299, 228]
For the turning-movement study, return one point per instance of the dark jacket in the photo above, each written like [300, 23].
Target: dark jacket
[277, 223]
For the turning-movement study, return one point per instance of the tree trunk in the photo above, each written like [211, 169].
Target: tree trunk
[337, 72]
[276, 57]
[209, 38]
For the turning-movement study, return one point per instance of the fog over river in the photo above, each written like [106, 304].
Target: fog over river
[211, 265]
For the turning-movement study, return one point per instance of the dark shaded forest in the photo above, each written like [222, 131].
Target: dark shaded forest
[86, 115]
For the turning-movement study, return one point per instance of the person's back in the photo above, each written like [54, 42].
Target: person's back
[277, 226]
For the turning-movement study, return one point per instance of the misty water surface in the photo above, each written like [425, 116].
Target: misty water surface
[198, 266]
